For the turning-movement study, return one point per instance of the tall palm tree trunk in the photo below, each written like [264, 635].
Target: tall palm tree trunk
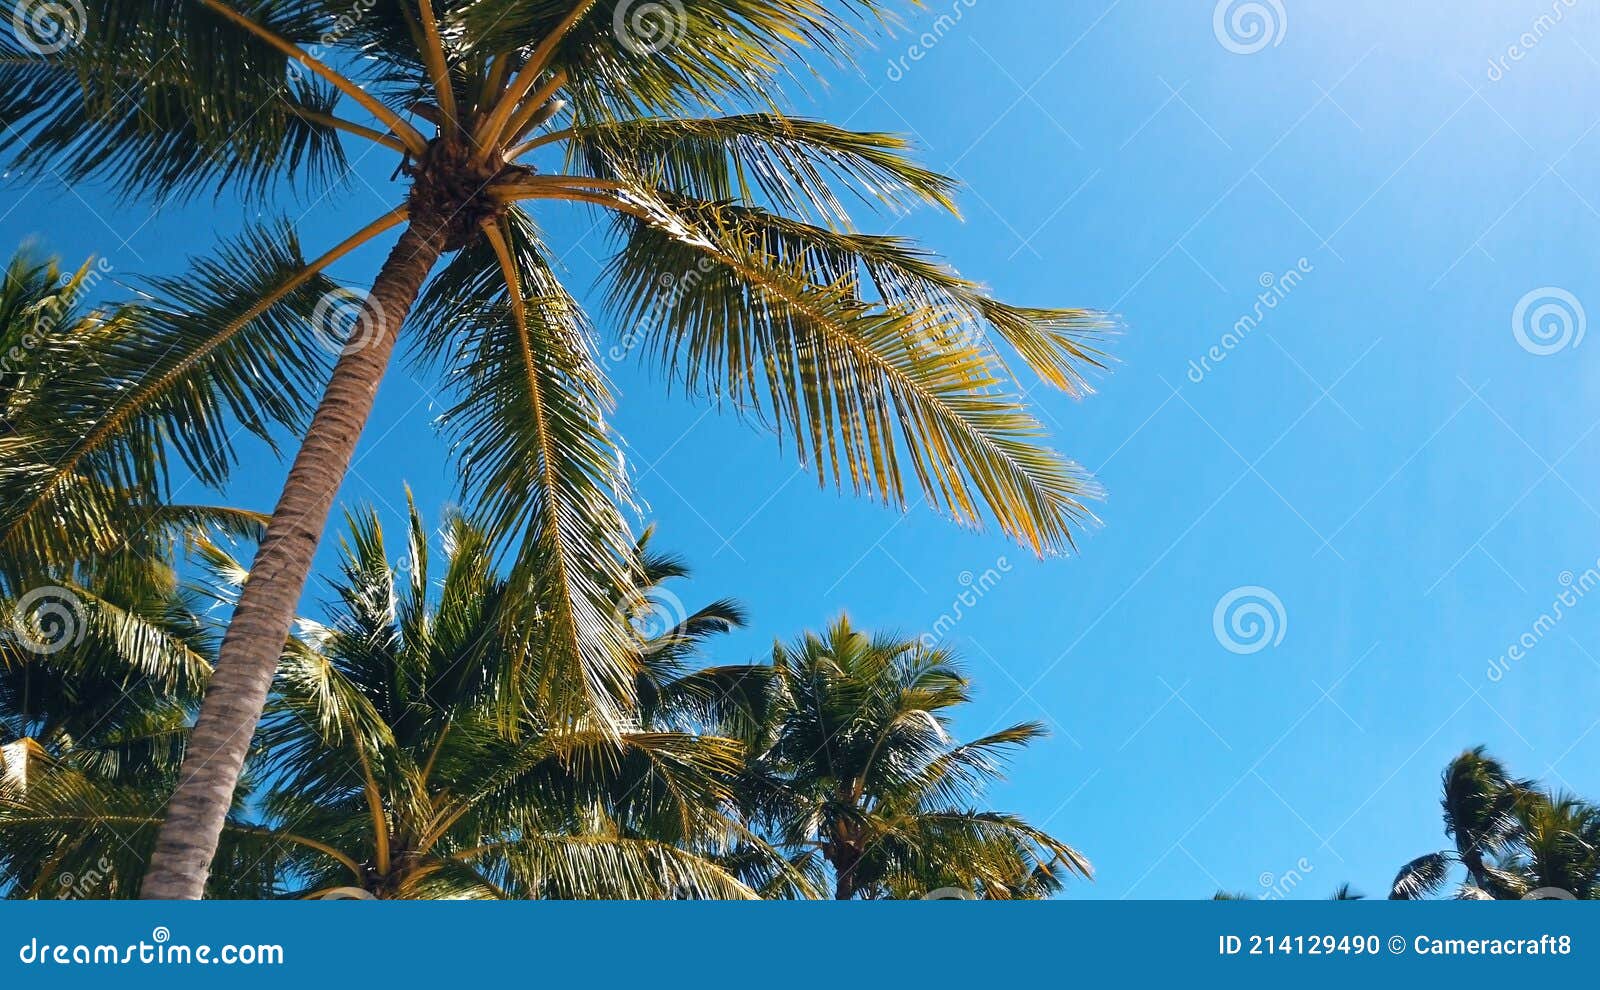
[266, 610]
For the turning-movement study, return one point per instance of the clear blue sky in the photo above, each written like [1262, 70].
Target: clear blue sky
[1381, 453]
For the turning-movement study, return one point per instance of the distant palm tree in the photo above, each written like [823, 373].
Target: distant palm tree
[853, 771]
[737, 268]
[1513, 838]
[1557, 848]
[1344, 892]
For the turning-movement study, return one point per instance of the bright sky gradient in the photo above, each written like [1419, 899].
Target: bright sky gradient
[1382, 454]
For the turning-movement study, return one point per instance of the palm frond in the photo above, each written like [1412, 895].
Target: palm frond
[135, 94]
[868, 386]
[795, 164]
[1423, 877]
[172, 375]
[539, 461]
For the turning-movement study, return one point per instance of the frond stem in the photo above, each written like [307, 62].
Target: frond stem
[491, 130]
[135, 401]
[531, 107]
[438, 68]
[412, 138]
[350, 127]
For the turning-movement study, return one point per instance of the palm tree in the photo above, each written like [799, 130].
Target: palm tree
[851, 764]
[386, 745]
[870, 353]
[383, 765]
[1513, 838]
[101, 648]
[1479, 804]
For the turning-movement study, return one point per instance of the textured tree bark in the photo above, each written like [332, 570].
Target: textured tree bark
[255, 639]
[843, 889]
[844, 859]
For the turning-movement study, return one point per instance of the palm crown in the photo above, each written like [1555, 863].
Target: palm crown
[1514, 838]
[873, 359]
[381, 764]
[850, 762]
